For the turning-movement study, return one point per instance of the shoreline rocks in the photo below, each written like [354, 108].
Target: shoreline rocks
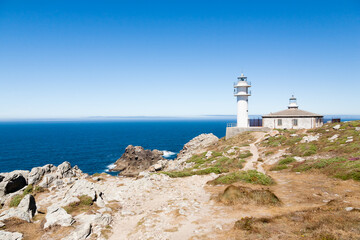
[136, 159]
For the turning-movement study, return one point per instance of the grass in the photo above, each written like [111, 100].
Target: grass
[30, 189]
[233, 195]
[15, 200]
[328, 222]
[84, 204]
[286, 160]
[278, 167]
[338, 167]
[250, 176]
[188, 172]
[282, 164]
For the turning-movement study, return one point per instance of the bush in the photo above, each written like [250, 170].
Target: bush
[250, 176]
[286, 160]
[278, 167]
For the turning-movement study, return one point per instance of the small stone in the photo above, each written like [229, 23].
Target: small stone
[349, 140]
[348, 209]
[208, 154]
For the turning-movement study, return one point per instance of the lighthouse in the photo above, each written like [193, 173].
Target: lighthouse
[241, 92]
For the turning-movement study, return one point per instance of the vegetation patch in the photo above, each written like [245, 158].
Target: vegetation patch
[234, 195]
[338, 167]
[30, 189]
[188, 172]
[250, 176]
[329, 222]
[84, 204]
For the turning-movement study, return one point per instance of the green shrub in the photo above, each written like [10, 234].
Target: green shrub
[245, 155]
[286, 160]
[278, 167]
[250, 176]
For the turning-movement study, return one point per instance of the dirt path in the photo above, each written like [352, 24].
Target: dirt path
[252, 163]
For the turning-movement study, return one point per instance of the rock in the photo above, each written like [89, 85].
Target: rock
[83, 187]
[161, 164]
[310, 138]
[299, 159]
[12, 182]
[357, 128]
[348, 209]
[209, 154]
[194, 146]
[274, 133]
[81, 232]
[333, 138]
[136, 159]
[37, 173]
[349, 140]
[337, 127]
[58, 216]
[10, 235]
[293, 135]
[50, 175]
[25, 211]
[2, 224]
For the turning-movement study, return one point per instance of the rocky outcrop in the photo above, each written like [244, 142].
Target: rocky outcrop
[58, 216]
[136, 159]
[10, 235]
[12, 181]
[25, 211]
[51, 175]
[194, 146]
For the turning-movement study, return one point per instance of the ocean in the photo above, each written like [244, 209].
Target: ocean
[95, 145]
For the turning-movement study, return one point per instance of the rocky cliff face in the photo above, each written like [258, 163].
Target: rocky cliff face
[136, 159]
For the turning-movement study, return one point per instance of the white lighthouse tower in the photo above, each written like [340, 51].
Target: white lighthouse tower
[241, 92]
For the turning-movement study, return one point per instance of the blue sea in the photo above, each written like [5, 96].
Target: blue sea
[95, 145]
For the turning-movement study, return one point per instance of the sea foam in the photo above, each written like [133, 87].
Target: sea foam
[168, 154]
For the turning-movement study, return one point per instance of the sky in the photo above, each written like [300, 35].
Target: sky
[70, 59]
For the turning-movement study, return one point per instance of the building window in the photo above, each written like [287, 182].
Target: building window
[295, 122]
[279, 122]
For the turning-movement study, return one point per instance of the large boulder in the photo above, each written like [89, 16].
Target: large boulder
[58, 216]
[37, 173]
[25, 210]
[10, 235]
[82, 232]
[12, 182]
[136, 159]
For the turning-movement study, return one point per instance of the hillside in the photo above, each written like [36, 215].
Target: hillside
[285, 184]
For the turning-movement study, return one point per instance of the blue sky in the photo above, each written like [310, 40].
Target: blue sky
[64, 59]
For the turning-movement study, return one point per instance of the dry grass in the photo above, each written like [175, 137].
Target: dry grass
[35, 231]
[84, 205]
[235, 195]
[321, 223]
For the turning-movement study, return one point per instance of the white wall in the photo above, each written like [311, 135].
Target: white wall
[242, 111]
[307, 123]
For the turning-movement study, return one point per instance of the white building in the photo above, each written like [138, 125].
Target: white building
[292, 118]
[241, 92]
